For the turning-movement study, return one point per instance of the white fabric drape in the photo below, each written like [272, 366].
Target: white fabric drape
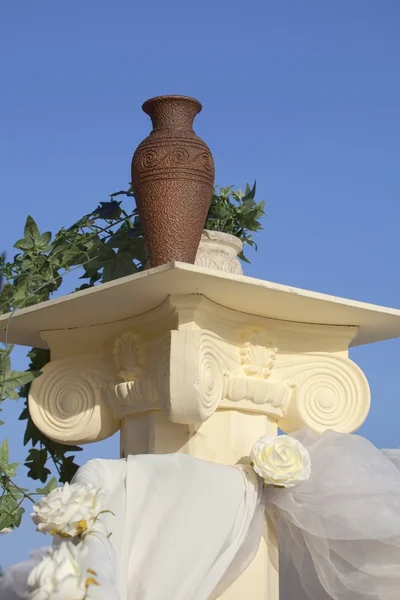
[182, 526]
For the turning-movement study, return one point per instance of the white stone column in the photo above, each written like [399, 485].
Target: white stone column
[193, 376]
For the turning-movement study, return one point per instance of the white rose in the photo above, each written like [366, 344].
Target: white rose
[281, 460]
[61, 574]
[68, 511]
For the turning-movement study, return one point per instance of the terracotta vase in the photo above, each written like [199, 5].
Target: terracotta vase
[173, 181]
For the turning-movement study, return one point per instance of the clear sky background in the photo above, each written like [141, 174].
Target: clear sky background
[303, 96]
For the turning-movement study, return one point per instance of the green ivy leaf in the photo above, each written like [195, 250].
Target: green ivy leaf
[4, 454]
[10, 516]
[120, 265]
[11, 469]
[109, 210]
[36, 463]
[31, 236]
[6, 520]
[49, 487]
[10, 509]
[68, 469]
[32, 433]
[243, 258]
[39, 357]
[60, 449]
[42, 243]
[31, 230]
[250, 192]
[20, 291]
[10, 381]
[17, 515]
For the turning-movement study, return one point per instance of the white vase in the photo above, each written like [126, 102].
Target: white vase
[220, 251]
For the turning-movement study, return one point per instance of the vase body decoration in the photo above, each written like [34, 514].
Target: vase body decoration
[219, 251]
[172, 181]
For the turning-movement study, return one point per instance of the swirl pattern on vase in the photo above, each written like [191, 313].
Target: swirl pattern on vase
[178, 159]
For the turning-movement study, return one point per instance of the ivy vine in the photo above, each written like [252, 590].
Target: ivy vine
[103, 245]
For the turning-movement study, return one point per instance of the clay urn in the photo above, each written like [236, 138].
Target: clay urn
[172, 181]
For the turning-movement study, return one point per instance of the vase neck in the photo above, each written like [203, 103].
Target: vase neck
[172, 112]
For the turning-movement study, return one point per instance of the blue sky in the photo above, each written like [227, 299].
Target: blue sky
[303, 96]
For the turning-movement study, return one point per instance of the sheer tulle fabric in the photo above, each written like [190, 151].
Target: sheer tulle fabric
[340, 530]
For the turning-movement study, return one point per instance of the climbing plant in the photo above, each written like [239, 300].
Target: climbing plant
[101, 246]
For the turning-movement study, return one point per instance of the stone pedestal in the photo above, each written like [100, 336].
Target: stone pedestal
[182, 359]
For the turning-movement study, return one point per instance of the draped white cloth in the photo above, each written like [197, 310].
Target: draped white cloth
[182, 526]
[185, 529]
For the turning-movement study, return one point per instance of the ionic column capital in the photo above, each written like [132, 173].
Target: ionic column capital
[190, 358]
[68, 401]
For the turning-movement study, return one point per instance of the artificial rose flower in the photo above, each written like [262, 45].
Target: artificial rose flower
[13, 584]
[281, 460]
[68, 511]
[62, 574]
